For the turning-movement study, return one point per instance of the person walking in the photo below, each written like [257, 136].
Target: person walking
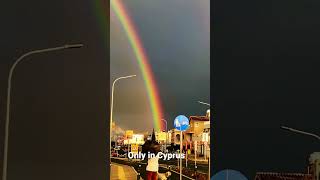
[152, 168]
[152, 148]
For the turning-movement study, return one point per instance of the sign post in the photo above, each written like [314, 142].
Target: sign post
[178, 159]
[135, 148]
[209, 165]
[195, 154]
[181, 123]
[205, 138]
[181, 138]
[186, 157]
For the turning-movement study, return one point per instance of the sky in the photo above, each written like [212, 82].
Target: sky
[176, 38]
[265, 74]
[59, 104]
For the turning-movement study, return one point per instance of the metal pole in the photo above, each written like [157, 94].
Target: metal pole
[186, 158]
[180, 155]
[166, 134]
[300, 132]
[186, 151]
[111, 110]
[206, 145]
[7, 122]
[205, 151]
[139, 171]
[209, 163]
[195, 153]
[178, 159]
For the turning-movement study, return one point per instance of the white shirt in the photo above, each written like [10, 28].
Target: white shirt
[153, 164]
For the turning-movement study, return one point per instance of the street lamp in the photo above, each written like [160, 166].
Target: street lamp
[166, 134]
[300, 132]
[204, 103]
[7, 121]
[111, 111]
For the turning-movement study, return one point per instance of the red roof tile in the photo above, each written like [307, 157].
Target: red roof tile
[199, 118]
[282, 176]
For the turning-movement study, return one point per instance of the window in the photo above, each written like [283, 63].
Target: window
[196, 124]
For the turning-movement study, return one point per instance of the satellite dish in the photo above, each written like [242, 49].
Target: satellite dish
[229, 174]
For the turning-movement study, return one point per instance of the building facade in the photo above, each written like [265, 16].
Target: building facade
[313, 172]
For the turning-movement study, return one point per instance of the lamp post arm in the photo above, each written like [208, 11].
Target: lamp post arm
[112, 92]
[111, 108]
[7, 120]
[204, 103]
[166, 123]
[301, 132]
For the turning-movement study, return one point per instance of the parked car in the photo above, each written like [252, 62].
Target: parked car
[122, 155]
[114, 154]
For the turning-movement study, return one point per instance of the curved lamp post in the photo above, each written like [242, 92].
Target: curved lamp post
[6, 136]
[300, 132]
[111, 111]
[204, 103]
[166, 134]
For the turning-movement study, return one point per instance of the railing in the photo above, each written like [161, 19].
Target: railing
[138, 169]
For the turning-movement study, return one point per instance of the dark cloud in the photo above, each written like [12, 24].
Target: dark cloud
[176, 38]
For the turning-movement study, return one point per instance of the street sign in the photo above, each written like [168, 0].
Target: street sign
[181, 123]
[134, 148]
[229, 174]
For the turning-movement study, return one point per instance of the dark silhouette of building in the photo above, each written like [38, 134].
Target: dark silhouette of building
[313, 172]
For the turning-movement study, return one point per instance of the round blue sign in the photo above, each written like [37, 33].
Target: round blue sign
[229, 174]
[181, 123]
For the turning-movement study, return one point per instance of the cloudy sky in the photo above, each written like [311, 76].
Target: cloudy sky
[176, 37]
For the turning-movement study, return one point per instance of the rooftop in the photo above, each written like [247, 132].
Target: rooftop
[282, 176]
[199, 118]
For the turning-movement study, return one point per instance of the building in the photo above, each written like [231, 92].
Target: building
[313, 172]
[120, 140]
[161, 137]
[129, 134]
[199, 133]
[282, 176]
[314, 165]
[135, 139]
[174, 136]
[197, 125]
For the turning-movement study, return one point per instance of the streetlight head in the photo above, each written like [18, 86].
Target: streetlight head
[69, 46]
[130, 76]
[285, 128]
[204, 103]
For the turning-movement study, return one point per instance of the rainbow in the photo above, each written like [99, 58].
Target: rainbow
[141, 56]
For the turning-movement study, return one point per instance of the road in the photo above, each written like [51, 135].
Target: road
[141, 166]
[201, 166]
[122, 172]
